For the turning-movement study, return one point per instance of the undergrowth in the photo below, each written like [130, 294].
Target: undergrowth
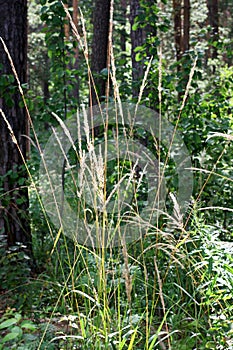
[169, 288]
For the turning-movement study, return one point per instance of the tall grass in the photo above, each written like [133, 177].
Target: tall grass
[156, 292]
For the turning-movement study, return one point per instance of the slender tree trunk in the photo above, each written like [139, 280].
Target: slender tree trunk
[75, 65]
[46, 93]
[177, 4]
[100, 47]
[181, 10]
[14, 221]
[67, 25]
[186, 26]
[123, 33]
[46, 90]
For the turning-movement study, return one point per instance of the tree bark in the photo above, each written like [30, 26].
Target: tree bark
[213, 21]
[45, 82]
[101, 19]
[67, 25]
[14, 220]
[186, 26]
[123, 5]
[181, 10]
[177, 27]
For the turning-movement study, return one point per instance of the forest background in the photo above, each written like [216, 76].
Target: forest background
[172, 287]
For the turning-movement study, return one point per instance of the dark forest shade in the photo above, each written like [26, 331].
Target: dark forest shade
[213, 21]
[14, 221]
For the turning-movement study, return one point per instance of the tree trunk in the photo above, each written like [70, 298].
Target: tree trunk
[181, 10]
[46, 93]
[186, 26]
[100, 47]
[137, 39]
[213, 21]
[177, 27]
[123, 34]
[67, 26]
[75, 65]
[14, 220]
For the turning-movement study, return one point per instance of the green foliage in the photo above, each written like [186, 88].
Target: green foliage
[18, 332]
[215, 108]
[14, 267]
[170, 289]
[216, 285]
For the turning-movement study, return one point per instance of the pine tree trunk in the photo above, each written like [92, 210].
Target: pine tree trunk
[123, 5]
[14, 221]
[186, 27]
[100, 46]
[177, 27]
[67, 25]
[181, 10]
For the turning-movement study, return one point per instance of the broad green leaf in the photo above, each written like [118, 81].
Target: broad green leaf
[8, 337]
[28, 325]
[8, 323]
[18, 330]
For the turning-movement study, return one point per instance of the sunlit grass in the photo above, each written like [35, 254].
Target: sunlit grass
[161, 291]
